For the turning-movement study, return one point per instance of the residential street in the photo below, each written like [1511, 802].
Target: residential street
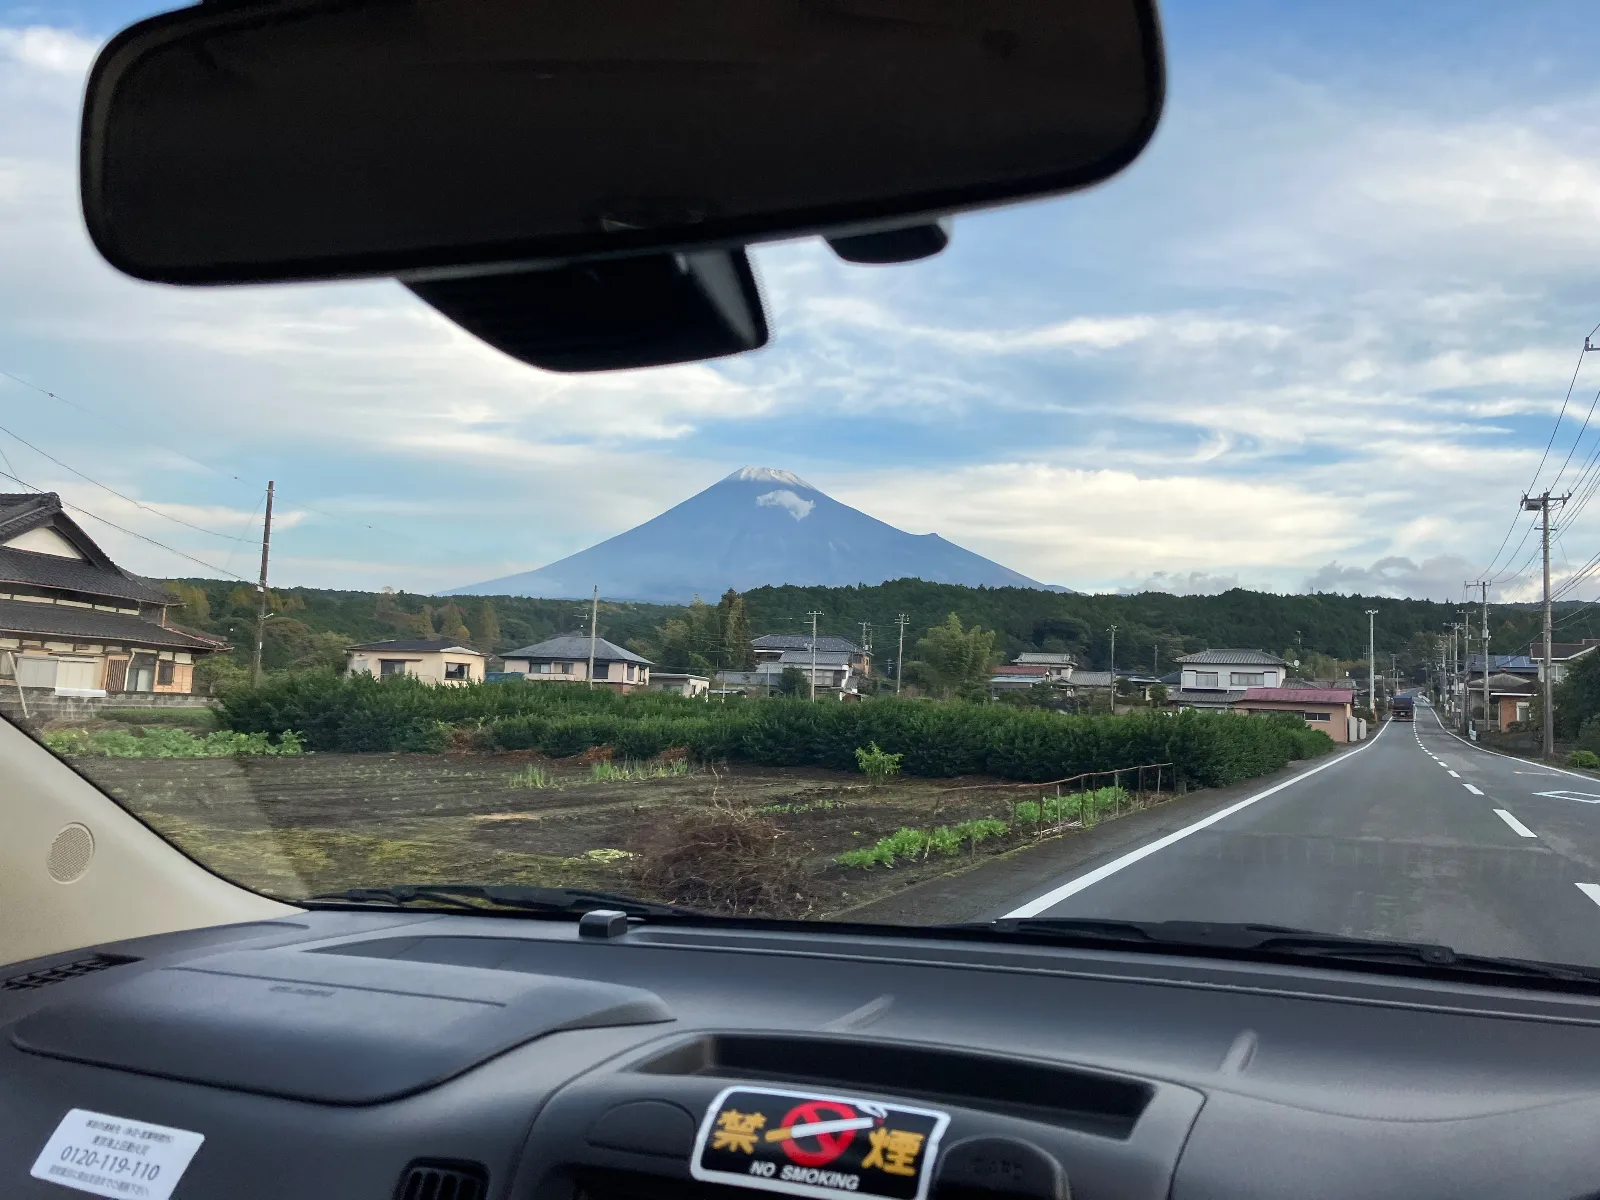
[1415, 835]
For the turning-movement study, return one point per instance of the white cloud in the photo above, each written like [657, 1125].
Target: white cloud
[790, 503]
[44, 48]
[1185, 583]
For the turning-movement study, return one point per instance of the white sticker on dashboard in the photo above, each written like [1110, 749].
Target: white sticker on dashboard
[114, 1156]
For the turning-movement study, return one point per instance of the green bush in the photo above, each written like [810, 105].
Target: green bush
[358, 713]
[877, 765]
[923, 843]
[1587, 759]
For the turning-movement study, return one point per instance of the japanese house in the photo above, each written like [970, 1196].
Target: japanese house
[73, 621]
[773, 647]
[432, 660]
[565, 659]
[1327, 709]
[1214, 679]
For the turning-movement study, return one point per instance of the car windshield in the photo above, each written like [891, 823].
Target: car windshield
[1210, 545]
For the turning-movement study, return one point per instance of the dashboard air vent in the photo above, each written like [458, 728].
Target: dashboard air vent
[443, 1179]
[48, 975]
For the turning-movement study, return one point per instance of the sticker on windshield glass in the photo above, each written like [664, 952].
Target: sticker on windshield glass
[808, 1144]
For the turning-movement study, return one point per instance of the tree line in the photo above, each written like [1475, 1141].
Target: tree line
[1327, 633]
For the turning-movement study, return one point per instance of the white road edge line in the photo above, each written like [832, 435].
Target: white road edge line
[1472, 789]
[1517, 826]
[1525, 761]
[1071, 888]
[1591, 890]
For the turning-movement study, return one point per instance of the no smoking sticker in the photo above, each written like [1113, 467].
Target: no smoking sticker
[808, 1144]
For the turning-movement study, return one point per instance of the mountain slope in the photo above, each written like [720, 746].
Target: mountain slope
[758, 526]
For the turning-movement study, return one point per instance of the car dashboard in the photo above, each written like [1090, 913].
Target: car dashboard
[419, 1056]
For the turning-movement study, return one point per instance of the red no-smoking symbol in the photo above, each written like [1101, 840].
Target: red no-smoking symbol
[829, 1144]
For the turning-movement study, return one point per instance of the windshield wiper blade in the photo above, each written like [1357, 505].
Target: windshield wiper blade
[478, 896]
[1278, 940]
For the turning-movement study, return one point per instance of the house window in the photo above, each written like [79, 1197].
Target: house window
[163, 674]
[1317, 716]
[456, 671]
[630, 672]
[1522, 710]
[1248, 678]
[1205, 679]
[566, 668]
[602, 670]
[391, 666]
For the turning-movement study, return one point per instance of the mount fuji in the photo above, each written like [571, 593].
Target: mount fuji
[758, 526]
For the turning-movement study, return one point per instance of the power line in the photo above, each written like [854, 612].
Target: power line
[114, 492]
[131, 533]
[211, 467]
[1543, 457]
[409, 537]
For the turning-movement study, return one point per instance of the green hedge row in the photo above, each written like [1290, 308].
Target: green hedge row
[942, 740]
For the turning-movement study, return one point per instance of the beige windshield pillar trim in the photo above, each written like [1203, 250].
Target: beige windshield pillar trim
[76, 870]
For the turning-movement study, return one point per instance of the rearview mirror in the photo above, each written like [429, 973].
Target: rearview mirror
[314, 140]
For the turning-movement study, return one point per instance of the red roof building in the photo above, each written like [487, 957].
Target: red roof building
[1327, 709]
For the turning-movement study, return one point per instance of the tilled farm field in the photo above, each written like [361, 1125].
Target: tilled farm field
[295, 825]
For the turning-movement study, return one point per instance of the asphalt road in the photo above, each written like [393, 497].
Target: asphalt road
[1416, 835]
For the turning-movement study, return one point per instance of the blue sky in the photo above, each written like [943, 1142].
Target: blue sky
[1316, 337]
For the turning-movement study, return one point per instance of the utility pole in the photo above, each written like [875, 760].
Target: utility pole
[1483, 586]
[1113, 632]
[866, 636]
[594, 621]
[1541, 505]
[261, 613]
[1372, 666]
[900, 655]
[1466, 671]
[813, 615]
[1455, 666]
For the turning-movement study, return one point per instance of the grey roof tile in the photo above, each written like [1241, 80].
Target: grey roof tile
[1254, 658]
[86, 625]
[574, 647]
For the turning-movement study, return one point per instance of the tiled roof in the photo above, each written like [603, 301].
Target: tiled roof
[75, 575]
[1090, 678]
[1033, 657]
[804, 658]
[86, 625]
[1559, 651]
[1300, 695]
[1205, 697]
[417, 646]
[1032, 670]
[1254, 658]
[93, 575]
[802, 641]
[573, 647]
[1510, 684]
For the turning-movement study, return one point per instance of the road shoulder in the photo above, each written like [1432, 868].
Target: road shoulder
[995, 886]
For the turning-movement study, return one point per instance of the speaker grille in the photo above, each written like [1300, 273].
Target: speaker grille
[70, 853]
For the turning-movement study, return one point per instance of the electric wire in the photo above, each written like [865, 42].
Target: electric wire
[114, 492]
[131, 533]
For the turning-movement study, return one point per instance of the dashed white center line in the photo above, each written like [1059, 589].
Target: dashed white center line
[1453, 775]
[1472, 789]
[1591, 890]
[1517, 826]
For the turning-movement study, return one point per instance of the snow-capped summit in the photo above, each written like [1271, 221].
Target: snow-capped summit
[757, 526]
[768, 475]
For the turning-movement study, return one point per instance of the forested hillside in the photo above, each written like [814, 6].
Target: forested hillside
[311, 626]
